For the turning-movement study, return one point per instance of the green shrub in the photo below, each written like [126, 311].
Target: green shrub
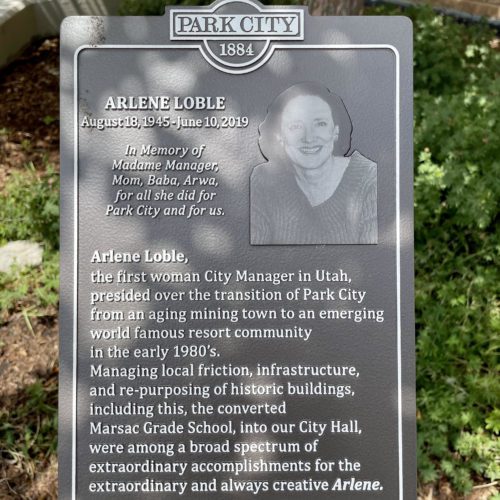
[457, 195]
[31, 290]
[29, 207]
[29, 210]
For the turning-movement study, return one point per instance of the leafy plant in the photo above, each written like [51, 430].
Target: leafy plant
[49, 119]
[29, 207]
[35, 289]
[457, 242]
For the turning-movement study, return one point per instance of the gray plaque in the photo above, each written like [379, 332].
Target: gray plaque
[237, 270]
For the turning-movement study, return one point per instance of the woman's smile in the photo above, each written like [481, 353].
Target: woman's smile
[308, 132]
[311, 150]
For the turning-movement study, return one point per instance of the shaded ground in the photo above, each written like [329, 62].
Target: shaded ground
[29, 132]
[28, 396]
[29, 109]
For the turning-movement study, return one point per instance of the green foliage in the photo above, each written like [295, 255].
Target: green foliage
[31, 289]
[457, 195]
[29, 207]
[49, 119]
[493, 421]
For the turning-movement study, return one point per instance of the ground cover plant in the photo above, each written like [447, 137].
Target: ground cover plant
[457, 242]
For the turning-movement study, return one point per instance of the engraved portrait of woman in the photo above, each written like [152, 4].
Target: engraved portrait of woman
[311, 190]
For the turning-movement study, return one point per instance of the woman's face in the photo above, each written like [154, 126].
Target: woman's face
[308, 133]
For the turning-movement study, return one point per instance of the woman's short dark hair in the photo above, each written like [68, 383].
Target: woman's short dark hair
[269, 129]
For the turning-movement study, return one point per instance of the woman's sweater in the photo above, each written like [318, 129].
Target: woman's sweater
[282, 215]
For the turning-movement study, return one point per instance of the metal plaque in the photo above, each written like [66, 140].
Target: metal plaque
[237, 256]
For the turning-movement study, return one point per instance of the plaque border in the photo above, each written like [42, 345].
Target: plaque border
[390, 47]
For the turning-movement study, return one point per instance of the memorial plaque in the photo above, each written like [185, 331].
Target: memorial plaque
[237, 268]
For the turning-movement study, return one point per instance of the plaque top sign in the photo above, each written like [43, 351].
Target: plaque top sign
[236, 286]
[217, 21]
[255, 26]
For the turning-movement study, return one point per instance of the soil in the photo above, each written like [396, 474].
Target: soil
[29, 110]
[29, 132]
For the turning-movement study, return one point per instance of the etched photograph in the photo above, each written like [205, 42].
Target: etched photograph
[311, 190]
